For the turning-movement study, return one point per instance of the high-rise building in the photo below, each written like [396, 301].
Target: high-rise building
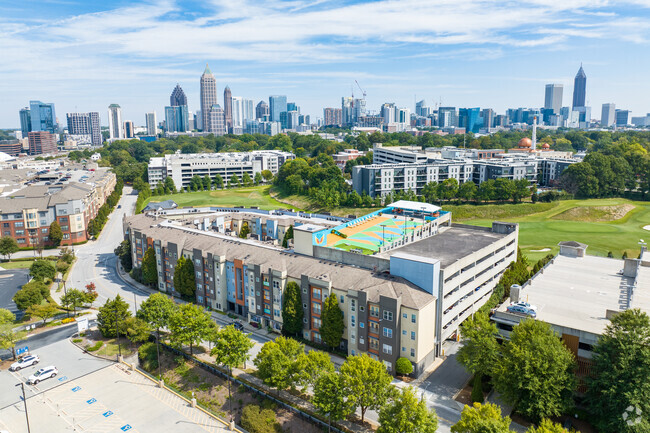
[216, 120]
[469, 118]
[85, 124]
[332, 116]
[277, 105]
[42, 116]
[607, 116]
[359, 110]
[421, 108]
[488, 117]
[227, 108]
[236, 114]
[41, 142]
[447, 117]
[129, 129]
[177, 97]
[622, 117]
[25, 121]
[262, 110]
[347, 110]
[248, 109]
[152, 128]
[177, 119]
[389, 112]
[115, 127]
[553, 97]
[579, 88]
[292, 106]
[208, 96]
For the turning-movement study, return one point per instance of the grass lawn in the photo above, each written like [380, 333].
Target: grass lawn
[23, 264]
[250, 196]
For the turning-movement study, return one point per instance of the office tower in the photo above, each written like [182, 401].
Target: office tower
[115, 129]
[177, 97]
[332, 116]
[607, 116]
[292, 106]
[304, 119]
[388, 112]
[216, 120]
[553, 97]
[177, 119]
[347, 107]
[403, 115]
[199, 120]
[208, 96]
[579, 88]
[151, 123]
[470, 119]
[622, 117]
[447, 117]
[191, 121]
[25, 121]
[359, 110]
[129, 130]
[488, 117]
[237, 112]
[41, 142]
[227, 108]
[533, 145]
[277, 105]
[421, 108]
[262, 110]
[248, 109]
[292, 121]
[86, 124]
[42, 116]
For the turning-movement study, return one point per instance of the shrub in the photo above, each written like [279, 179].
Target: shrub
[147, 356]
[29, 295]
[95, 347]
[403, 366]
[67, 320]
[77, 340]
[257, 420]
[477, 390]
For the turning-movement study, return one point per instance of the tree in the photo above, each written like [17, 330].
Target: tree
[275, 360]
[287, 235]
[310, 366]
[535, 373]
[184, 278]
[42, 270]
[267, 175]
[218, 181]
[43, 312]
[333, 325]
[207, 183]
[246, 180]
[480, 350]
[621, 362]
[170, 187]
[406, 413]
[367, 383]
[448, 189]
[330, 397]
[123, 252]
[258, 178]
[8, 246]
[482, 418]
[234, 181]
[486, 191]
[156, 311]
[74, 299]
[403, 366]
[111, 317]
[467, 191]
[137, 330]
[188, 325]
[547, 426]
[29, 295]
[149, 269]
[292, 312]
[245, 230]
[55, 234]
[6, 316]
[504, 188]
[9, 338]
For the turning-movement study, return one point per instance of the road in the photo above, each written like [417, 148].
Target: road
[11, 280]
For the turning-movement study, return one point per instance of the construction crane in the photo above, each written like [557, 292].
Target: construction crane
[363, 92]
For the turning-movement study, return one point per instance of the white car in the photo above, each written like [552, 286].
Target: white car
[25, 361]
[525, 305]
[42, 374]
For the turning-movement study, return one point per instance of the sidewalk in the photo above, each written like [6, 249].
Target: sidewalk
[24, 254]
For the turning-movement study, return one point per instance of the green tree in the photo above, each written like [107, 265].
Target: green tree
[218, 181]
[29, 295]
[43, 312]
[234, 181]
[486, 191]
[403, 366]
[405, 412]
[74, 298]
[207, 183]
[535, 373]
[55, 234]
[149, 269]
[547, 426]
[6, 316]
[123, 252]
[184, 278]
[429, 192]
[620, 377]
[267, 175]
[504, 189]
[480, 350]
[482, 418]
[467, 191]
[330, 397]
[188, 325]
[245, 230]
[112, 317]
[137, 330]
[246, 180]
[310, 366]
[8, 246]
[333, 325]
[9, 338]
[292, 312]
[170, 187]
[42, 270]
[258, 178]
[367, 383]
[287, 235]
[448, 189]
[156, 311]
[275, 361]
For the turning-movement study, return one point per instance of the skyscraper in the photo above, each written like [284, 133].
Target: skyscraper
[347, 109]
[277, 105]
[607, 116]
[150, 118]
[261, 110]
[488, 117]
[208, 96]
[553, 97]
[41, 142]
[115, 129]
[177, 97]
[447, 117]
[129, 130]
[469, 118]
[332, 116]
[177, 119]
[85, 124]
[421, 108]
[25, 121]
[236, 114]
[359, 110]
[579, 88]
[227, 108]
[42, 116]
[388, 112]
[622, 117]
[216, 120]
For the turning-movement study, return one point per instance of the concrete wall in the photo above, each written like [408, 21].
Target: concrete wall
[423, 273]
[360, 260]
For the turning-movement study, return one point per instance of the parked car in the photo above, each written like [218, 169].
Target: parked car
[42, 374]
[25, 361]
[525, 304]
[238, 326]
[518, 309]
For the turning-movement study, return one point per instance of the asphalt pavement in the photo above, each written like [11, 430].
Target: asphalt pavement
[10, 282]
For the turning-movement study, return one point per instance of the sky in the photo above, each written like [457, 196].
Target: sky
[83, 55]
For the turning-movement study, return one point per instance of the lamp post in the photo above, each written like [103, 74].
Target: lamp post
[22, 385]
[117, 329]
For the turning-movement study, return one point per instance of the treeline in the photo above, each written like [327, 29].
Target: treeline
[96, 225]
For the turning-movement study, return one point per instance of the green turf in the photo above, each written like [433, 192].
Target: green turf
[251, 196]
[17, 265]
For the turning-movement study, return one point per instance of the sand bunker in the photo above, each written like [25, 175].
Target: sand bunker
[647, 228]
[543, 250]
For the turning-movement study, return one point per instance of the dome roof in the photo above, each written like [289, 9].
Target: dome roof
[5, 157]
[546, 146]
[525, 142]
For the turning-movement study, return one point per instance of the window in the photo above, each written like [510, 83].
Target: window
[585, 346]
[43, 230]
[405, 316]
[403, 331]
[316, 323]
[362, 325]
[412, 335]
[316, 307]
[361, 308]
[412, 318]
[373, 343]
[387, 349]
[6, 233]
[353, 305]
[413, 353]
[374, 327]
[276, 312]
[374, 311]
[65, 228]
[342, 299]
[43, 222]
[198, 274]
[388, 332]
[20, 232]
[388, 315]
[352, 321]
[316, 293]
[403, 349]
[19, 224]
[304, 306]
[6, 225]
[66, 236]
[20, 240]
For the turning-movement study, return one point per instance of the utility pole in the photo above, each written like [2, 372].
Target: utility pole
[22, 385]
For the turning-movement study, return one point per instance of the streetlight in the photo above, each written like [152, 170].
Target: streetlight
[117, 329]
[22, 385]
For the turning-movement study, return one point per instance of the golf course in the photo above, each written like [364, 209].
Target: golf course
[607, 225]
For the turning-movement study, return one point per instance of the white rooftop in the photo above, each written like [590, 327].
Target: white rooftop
[415, 206]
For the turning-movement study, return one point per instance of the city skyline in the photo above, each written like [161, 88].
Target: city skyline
[463, 53]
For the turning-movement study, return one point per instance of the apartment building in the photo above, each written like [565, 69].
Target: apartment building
[399, 301]
[182, 167]
[26, 214]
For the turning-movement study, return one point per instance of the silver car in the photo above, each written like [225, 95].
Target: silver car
[25, 361]
[42, 374]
